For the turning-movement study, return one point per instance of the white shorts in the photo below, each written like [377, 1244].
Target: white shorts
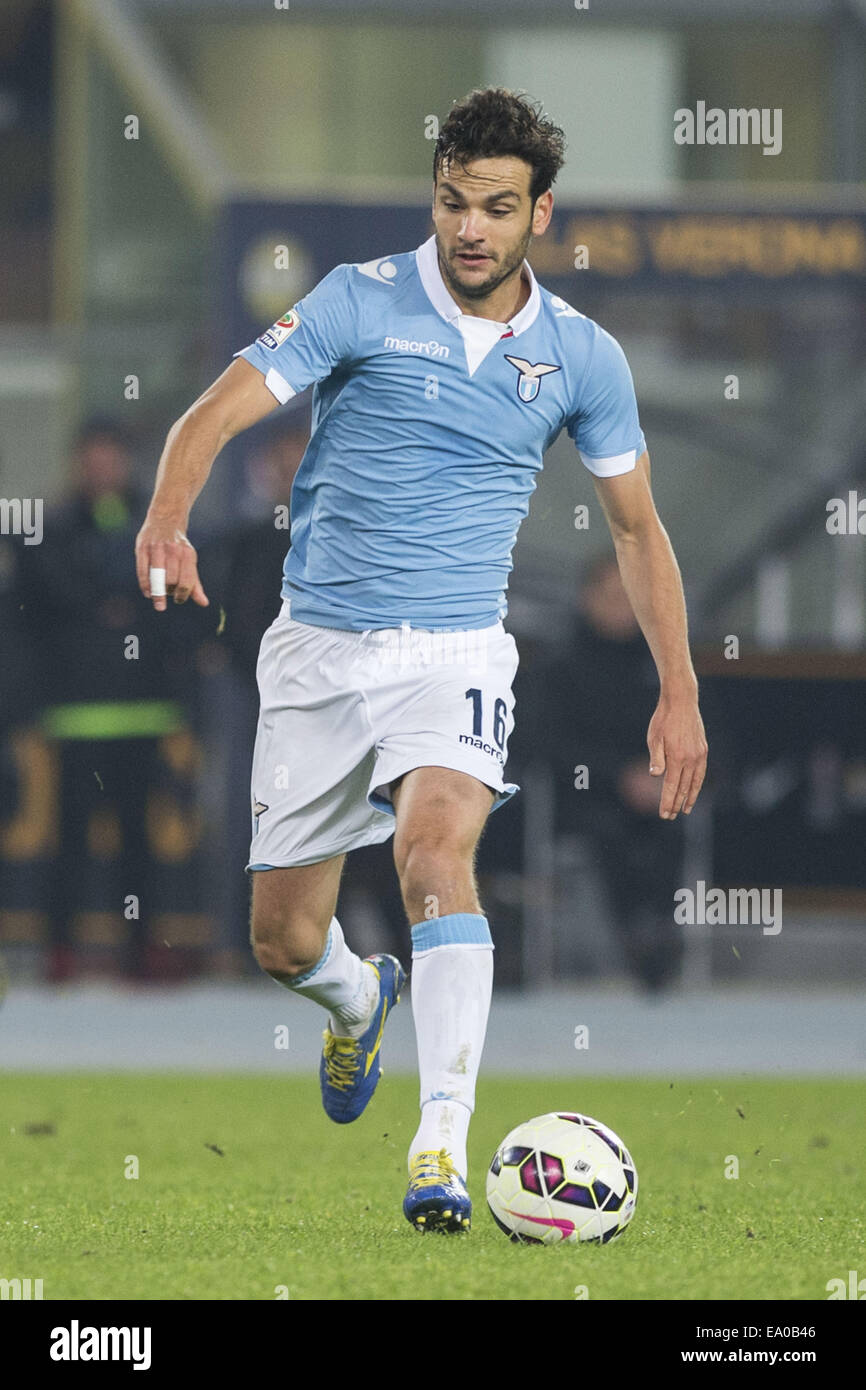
[343, 714]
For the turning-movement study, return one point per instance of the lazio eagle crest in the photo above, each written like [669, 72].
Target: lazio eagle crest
[529, 381]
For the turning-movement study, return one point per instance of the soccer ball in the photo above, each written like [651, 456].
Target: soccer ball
[562, 1177]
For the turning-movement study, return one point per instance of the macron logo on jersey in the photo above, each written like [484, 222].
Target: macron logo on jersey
[431, 349]
[564, 310]
[382, 270]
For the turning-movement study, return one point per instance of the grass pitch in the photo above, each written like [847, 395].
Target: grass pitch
[245, 1188]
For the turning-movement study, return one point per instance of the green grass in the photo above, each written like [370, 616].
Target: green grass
[297, 1201]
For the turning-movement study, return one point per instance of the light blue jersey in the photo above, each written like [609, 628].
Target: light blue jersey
[429, 426]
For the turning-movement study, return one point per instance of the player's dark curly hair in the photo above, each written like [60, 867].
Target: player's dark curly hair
[492, 122]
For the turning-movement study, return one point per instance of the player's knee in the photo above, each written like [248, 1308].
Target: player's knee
[280, 962]
[283, 953]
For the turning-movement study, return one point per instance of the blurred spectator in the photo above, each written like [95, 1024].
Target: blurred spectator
[15, 675]
[248, 569]
[255, 552]
[592, 707]
[241, 570]
[16, 679]
[112, 683]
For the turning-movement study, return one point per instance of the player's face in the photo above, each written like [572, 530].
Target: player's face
[485, 219]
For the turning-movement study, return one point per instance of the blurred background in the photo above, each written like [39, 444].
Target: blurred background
[178, 173]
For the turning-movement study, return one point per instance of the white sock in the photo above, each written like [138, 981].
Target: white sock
[452, 983]
[444, 1125]
[343, 983]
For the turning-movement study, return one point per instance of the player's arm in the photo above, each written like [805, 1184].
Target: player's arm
[236, 400]
[651, 578]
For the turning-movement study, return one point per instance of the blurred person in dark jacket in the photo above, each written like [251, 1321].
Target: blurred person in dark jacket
[243, 569]
[249, 570]
[16, 693]
[593, 705]
[252, 591]
[110, 686]
[16, 677]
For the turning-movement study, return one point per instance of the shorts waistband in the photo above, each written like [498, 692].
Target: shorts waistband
[384, 636]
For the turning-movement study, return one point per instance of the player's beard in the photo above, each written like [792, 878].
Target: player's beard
[511, 261]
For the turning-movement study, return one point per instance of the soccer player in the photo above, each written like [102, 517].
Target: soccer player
[441, 376]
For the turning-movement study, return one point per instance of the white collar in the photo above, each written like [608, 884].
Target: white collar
[427, 260]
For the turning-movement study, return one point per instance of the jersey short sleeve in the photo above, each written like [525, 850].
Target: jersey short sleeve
[311, 340]
[605, 425]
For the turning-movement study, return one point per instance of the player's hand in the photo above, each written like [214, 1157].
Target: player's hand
[167, 564]
[678, 749]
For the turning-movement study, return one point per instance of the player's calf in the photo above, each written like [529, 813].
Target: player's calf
[290, 916]
[314, 960]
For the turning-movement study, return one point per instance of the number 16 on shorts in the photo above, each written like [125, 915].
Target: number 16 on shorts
[482, 731]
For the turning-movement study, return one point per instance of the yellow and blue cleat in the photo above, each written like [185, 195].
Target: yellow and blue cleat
[349, 1070]
[437, 1199]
